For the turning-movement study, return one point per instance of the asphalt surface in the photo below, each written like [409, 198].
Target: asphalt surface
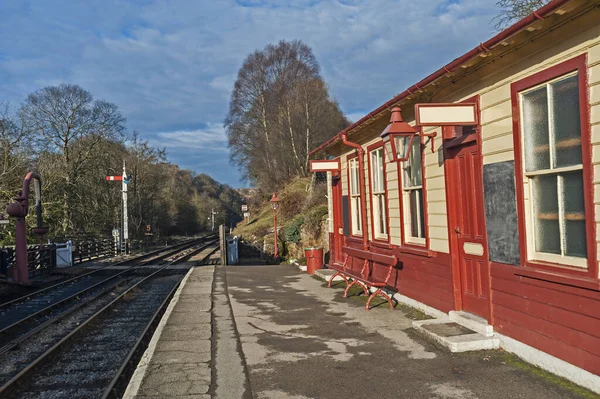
[242, 332]
[300, 339]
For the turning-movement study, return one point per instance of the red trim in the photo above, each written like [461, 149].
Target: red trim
[494, 41]
[348, 172]
[387, 194]
[578, 64]
[554, 277]
[410, 247]
[453, 210]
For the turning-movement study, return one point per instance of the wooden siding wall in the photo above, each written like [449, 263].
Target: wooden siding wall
[559, 319]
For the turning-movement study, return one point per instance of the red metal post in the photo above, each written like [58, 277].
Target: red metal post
[19, 211]
[275, 231]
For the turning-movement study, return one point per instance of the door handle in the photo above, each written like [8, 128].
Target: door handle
[457, 229]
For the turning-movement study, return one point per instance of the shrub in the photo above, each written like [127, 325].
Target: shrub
[291, 232]
[313, 220]
[318, 196]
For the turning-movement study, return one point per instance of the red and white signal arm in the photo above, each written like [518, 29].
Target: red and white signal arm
[446, 114]
[325, 165]
[111, 178]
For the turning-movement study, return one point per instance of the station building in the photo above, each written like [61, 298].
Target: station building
[498, 219]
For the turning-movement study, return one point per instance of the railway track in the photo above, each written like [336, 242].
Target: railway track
[86, 351]
[51, 298]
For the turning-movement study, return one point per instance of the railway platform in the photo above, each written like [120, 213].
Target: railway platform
[273, 332]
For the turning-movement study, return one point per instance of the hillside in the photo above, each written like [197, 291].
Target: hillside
[301, 218]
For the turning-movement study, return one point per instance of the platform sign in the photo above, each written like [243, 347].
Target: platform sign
[446, 114]
[325, 166]
[244, 208]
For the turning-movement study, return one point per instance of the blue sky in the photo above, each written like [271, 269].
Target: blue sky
[170, 65]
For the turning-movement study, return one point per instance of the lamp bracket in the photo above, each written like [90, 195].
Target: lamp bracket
[431, 137]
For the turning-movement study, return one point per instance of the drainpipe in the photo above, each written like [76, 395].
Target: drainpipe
[361, 178]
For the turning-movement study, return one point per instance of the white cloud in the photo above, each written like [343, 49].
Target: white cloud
[170, 64]
[211, 138]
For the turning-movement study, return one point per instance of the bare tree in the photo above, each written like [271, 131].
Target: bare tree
[280, 107]
[15, 151]
[513, 10]
[69, 122]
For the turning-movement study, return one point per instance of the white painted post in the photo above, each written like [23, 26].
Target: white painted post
[125, 224]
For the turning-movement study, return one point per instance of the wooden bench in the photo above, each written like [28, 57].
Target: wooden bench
[365, 279]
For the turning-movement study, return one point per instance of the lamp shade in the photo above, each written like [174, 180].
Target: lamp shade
[397, 137]
[274, 202]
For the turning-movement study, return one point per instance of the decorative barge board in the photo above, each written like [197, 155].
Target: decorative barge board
[496, 216]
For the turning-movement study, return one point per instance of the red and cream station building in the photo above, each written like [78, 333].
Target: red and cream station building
[497, 215]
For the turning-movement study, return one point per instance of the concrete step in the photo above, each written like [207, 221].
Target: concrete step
[455, 337]
[473, 322]
[326, 274]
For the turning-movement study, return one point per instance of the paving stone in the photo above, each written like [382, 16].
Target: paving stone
[177, 318]
[176, 379]
[193, 346]
[202, 305]
[178, 357]
[186, 332]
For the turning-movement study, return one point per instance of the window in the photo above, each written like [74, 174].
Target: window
[355, 210]
[378, 197]
[552, 168]
[412, 196]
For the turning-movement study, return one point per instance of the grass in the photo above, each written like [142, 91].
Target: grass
[263, 217]
[515, 361]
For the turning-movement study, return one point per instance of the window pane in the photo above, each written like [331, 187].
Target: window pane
[382, 218]
[535, 129]
[415, 161]
[381, 172]
[545, 214]
[412, 167]
[565, 121]
[374, 174]
[354, 177]
[572, 197]
[356, 219]
[417, 217]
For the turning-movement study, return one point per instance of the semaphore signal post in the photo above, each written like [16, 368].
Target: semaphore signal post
[125, 181]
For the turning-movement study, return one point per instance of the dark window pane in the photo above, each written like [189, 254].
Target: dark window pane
[572, 197]
[565, 121]
[545, 214]
[535, 129]
[417, 216]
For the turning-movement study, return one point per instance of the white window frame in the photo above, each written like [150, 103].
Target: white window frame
[407, 189]
[378, 194]
[355, 208]
[532, 254]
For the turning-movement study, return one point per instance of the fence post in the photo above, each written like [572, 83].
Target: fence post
[223, 244]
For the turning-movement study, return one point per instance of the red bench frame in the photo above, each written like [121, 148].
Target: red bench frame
[365, 279]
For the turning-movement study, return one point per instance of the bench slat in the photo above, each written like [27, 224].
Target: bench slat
[378, 258]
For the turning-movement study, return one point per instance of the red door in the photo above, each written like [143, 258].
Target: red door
[336, 254]
[469, 228]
